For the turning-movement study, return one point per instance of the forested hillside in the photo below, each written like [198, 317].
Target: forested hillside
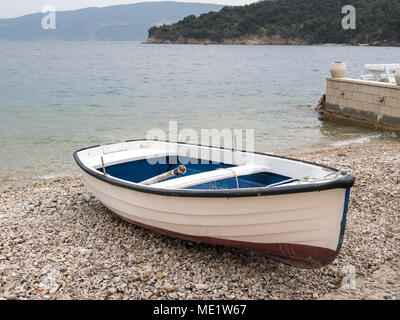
[288, 21]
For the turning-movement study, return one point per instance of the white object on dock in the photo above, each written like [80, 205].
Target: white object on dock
[380, 72]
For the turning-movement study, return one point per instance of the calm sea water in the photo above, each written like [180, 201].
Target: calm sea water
[57, 97]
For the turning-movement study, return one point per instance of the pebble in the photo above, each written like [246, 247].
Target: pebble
[201, 286]
[85, 198]
[169, 287]
[173, 295]
[10, 296]
[147, 295]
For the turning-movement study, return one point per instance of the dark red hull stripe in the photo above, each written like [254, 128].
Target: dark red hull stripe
[298, 255]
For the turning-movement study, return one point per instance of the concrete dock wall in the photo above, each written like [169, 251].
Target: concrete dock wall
[376, 103]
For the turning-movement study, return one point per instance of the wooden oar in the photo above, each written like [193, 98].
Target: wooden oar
[164, 176]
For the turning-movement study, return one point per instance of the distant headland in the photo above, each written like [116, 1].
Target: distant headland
[297, 22]
[129, 22]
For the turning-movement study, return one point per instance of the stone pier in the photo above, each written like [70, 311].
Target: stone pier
[369, 102]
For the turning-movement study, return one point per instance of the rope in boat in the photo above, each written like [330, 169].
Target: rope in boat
[305, 179]
[329, 174]
[282, 182]
[104, 168]
[235, 175]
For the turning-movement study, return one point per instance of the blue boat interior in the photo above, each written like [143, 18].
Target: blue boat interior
[140, 170]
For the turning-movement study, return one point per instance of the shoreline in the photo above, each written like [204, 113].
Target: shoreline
[58, 242]
[263, 41]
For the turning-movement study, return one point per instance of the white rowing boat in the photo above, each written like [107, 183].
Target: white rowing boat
[291, 210]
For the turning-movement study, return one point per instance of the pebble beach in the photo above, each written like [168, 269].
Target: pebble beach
[58, 242]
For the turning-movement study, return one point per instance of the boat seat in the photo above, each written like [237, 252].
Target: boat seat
[128, 156]
[210, 176]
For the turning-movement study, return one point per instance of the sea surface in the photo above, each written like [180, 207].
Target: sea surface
[57, 97]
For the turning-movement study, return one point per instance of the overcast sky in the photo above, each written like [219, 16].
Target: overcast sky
[16, 8]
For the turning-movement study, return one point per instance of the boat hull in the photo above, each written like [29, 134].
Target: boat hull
[302, 229]
[298, 255]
